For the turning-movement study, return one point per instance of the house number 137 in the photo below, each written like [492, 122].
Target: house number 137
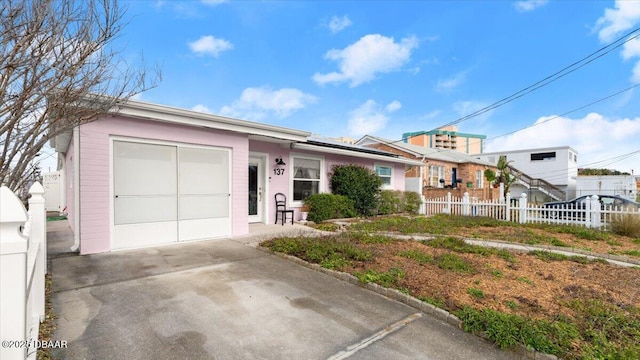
[278, 171]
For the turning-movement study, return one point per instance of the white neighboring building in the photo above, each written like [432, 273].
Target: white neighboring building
[547, 173]
[621, 185]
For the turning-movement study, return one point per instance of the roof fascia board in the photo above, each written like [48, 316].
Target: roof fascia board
[391, 144]
[163, 113]
[309, 147]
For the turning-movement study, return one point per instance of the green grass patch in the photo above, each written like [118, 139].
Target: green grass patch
[329, 252]
[366, 238]
[549, 256]
[326, 227]
[433, 301]
[632, 252]
[453, 262]
[417, 255]
[509, 330]
[497, 273]
[476, 293]
[558, 243]
[387, 279]
[578, 231]
[511, 304]
[609, 331]
[525, 280]
[460, 246]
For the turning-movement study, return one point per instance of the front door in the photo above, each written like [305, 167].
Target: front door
[256, 190]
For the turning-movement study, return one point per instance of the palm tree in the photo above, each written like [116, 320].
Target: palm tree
[504, 173]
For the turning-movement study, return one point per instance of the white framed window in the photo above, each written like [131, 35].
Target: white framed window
[306, 176]
[436, 173]
[479, 179]
[385, 173]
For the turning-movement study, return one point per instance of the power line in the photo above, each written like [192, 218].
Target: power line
[568, 112]
[549, 79]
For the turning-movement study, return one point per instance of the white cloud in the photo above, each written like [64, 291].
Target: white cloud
[529, 5]
[615, 22]
[202, 108]
[599, 140]
[621, 18]
[393, 106]
[337, 24]
[370, 117]
[361, 61]
[636, 73]
[210, 45]
[631, 49]
[445, 85]
[259, 102]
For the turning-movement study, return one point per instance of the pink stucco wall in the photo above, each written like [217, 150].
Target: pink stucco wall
[95, 172]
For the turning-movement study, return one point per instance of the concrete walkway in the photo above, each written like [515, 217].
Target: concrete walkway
[224, 299]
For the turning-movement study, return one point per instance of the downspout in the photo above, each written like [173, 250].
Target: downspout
[76, 190]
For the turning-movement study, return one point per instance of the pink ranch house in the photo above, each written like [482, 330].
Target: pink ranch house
[154, 175]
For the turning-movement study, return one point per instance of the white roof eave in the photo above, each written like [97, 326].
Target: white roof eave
[154, 112]
[329, 150]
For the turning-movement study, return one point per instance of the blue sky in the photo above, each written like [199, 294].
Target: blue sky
[349, 68]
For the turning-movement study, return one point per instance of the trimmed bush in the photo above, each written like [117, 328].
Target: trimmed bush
[359, 184]
[390, 202]
[412, 202]
[395, 201]
[329, 206]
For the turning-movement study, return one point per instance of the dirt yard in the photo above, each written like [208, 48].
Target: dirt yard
[592, 305]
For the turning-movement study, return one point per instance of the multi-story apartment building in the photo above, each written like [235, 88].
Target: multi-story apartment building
[447, 137]
[546, 173]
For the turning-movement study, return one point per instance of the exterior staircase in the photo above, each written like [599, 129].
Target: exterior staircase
[541, 185]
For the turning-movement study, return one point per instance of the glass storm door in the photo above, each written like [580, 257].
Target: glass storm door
[256, 190]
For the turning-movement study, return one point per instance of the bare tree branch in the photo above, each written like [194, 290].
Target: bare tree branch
[58, 69]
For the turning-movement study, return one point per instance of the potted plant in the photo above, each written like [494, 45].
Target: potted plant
[304, 212]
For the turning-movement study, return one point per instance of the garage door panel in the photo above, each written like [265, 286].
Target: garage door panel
[204, 206]
[144, 169]
[138, 209]
[202, 229]
[203, 171]
[169, 193]
[140, 235]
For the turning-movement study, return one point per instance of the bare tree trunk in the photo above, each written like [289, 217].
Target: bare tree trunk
[58, 69]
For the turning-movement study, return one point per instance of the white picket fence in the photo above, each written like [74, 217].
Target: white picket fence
[590, 214]
[23, 265]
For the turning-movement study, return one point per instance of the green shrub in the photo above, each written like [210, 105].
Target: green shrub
[390, 202]
[359, 184]
[626, 225]
[412, 202]
[395, 201]
[329, 206]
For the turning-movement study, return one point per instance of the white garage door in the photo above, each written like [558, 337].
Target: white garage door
[167, 193]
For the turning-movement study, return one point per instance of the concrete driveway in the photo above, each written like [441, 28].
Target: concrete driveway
[227, 300]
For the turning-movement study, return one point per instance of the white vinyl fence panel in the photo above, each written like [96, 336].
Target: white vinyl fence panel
[23, 264]
[590, 214]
